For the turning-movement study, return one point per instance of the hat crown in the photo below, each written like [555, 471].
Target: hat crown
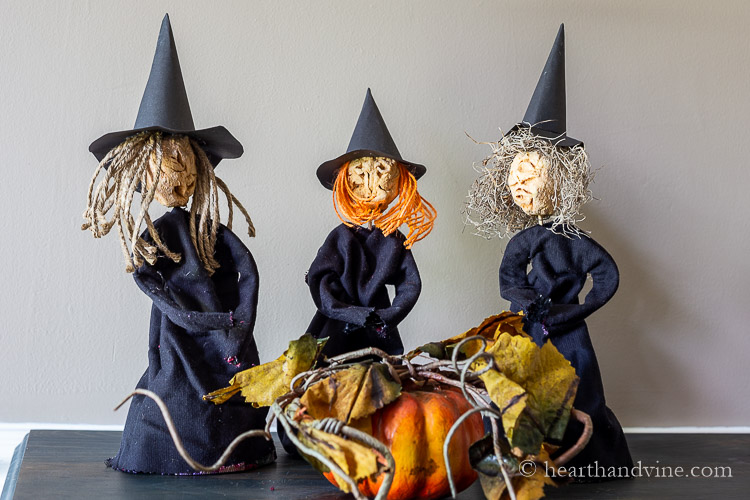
[547, 109]
[165, 101]
[371, 132]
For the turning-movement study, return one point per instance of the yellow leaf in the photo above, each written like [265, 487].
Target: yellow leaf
[512, 396]
[357, 461]
[555, 389]
[491, 328]
[262, 384]
[300, 356]
[532, 487]
[549, 381]
[515, 357]
[351, 394]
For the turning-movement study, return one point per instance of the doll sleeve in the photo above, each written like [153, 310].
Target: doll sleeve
[325, 290]
[606, 278]
[514, 283]
[152, 284]
[408, 287]
[188, 297]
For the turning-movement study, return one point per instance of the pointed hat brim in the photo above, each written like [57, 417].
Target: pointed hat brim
[557, 139]
[217, 142]
[328, 171]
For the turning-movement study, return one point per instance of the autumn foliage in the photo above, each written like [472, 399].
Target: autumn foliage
[411, 425]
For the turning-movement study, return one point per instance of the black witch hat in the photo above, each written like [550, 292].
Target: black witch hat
[545, 115]
[165, 107]
[370, 138]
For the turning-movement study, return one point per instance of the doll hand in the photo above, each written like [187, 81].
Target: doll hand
[538, 310]
[373, 320]
[375, 324]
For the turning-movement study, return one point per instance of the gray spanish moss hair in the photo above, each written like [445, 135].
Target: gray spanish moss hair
[125, 169]
[490, 207]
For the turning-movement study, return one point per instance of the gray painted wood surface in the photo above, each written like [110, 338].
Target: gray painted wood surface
[70, 464]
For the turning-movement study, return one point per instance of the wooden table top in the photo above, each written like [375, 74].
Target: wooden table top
[70, 464]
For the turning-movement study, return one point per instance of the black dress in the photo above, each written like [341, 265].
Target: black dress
[559, 267]
[201, 334]
[348, 281]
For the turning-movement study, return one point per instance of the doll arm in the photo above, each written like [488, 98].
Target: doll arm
[408, 287]
[325, 290]
[606, 279]
[189, 298]
[149, 281]
[247, 306]
[324, 279]
[514, 283]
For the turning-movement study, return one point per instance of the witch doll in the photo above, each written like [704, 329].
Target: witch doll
[374, 193]
[535, 182]
[201, 278]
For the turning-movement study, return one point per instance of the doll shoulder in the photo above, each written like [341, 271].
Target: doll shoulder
[547, 243]
[346, 240]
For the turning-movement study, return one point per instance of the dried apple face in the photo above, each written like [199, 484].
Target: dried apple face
[178, 172]
[373, 181]
[530, 183]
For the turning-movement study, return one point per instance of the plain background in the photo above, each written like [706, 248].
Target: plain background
[658, 90]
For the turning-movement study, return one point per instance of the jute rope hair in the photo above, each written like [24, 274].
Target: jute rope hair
[490, 207]
[409, 208]
[125, 168]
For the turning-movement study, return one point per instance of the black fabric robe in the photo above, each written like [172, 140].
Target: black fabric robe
[201, 334]
[560, 266]
[348, 281]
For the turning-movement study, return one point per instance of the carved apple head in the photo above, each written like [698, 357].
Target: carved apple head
[373, 181]
[178, 171]
[531, 184]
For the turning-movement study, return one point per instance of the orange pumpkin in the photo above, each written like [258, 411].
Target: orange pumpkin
[414, 428]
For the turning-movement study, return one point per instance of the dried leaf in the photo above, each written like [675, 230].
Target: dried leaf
[356, 460]
[434, 349]
[532, 487]
[512, 396]
[491, 328]
[528, 485]
[300, 356]
[483, 459]
[262, 384]
[555, 391]
[549, 381]
[351, 394]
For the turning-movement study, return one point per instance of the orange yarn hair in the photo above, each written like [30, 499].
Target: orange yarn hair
[408, 208]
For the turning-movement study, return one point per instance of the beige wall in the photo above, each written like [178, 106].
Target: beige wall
[658, 90]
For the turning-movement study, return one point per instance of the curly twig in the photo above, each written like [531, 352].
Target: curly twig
[588, 429]
[484, 411]
[283, 420]
[330, 425]
[361, 353]
[178, 441]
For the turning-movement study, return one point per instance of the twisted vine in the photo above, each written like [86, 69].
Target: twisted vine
[453, 372]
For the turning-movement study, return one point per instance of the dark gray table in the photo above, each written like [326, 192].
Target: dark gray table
[70, 464]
